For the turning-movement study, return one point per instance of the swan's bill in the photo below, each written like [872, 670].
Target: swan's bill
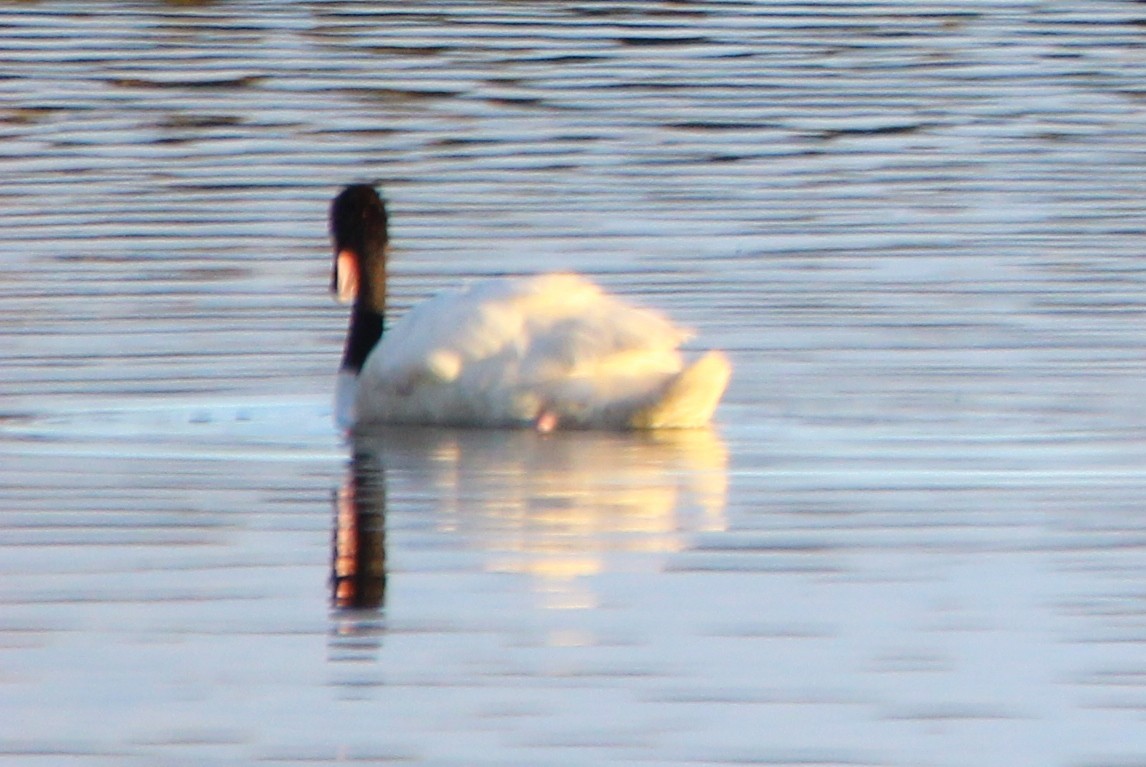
[346, 276]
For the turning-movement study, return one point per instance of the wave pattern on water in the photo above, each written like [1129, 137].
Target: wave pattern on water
[917, 229]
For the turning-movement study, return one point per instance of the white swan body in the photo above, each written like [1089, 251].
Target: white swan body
[514, 352]
[547, 351]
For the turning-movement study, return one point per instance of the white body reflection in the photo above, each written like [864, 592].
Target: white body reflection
[551, 506]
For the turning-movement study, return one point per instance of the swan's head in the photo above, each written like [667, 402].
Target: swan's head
[358, 229]
[358, 232]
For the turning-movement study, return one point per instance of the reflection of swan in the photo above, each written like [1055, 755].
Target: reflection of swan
[358, 558]
[550, 350]
[554, 505]
[358, 561]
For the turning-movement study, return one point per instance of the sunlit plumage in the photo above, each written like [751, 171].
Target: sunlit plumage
[546, 351]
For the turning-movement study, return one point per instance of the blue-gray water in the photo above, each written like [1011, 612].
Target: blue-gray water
[915, 536]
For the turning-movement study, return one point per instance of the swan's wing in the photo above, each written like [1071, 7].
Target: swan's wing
[574, 328]
[595, 359]
[438, 338]
[503, 350]
[425, 343]
[545, 326]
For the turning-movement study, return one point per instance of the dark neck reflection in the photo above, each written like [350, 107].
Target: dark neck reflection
[358, 559]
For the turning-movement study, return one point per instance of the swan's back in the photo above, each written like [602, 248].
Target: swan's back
[505, 351]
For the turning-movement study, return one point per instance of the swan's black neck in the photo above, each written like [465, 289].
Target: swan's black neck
[368, 316]
[366, 326]
[358, 228]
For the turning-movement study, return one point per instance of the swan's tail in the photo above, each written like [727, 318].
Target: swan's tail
[690, 398]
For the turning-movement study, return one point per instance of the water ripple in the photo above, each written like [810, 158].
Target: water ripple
[915, 536]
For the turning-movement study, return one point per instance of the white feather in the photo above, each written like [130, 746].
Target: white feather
[508, 352]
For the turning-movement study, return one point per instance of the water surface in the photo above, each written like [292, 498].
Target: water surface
[913, 537]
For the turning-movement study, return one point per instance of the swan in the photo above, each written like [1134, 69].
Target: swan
[546, 351]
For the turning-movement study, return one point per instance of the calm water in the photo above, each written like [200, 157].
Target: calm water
[916, 535]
